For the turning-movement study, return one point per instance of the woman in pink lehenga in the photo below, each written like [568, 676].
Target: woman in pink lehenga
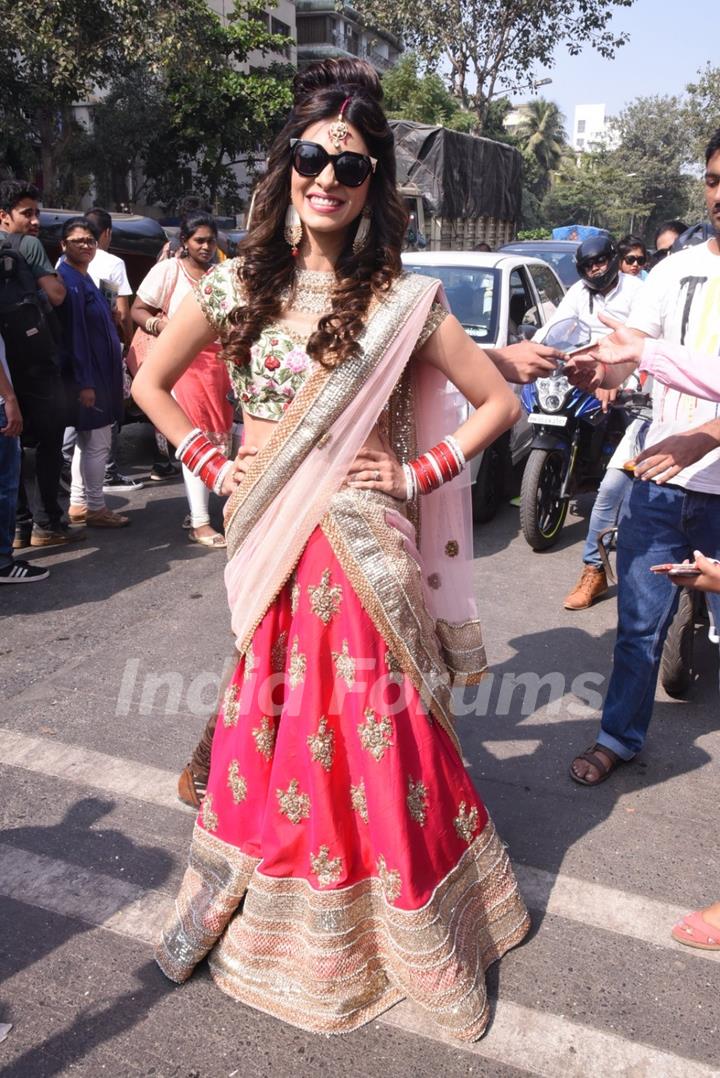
[341, 860]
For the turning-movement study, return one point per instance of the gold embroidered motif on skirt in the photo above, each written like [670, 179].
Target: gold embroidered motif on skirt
[278, 653]
[417, 800]
[325, 598]
[345, 665]
[322, 745]
[250, 663]
[236, 782]
[359, 801]
[466, 822]
[452, 548]
[298, 665]
[375, 733]
[294, 805]
[327, 869]
[264, 736]
[390, 879]
[209, 818]
[294, 598]
[231, 706]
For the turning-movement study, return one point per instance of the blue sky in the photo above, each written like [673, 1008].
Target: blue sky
[669, 42]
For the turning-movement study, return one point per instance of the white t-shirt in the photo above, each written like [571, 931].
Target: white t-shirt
[580, 302]
[680, 302]
[107, 267]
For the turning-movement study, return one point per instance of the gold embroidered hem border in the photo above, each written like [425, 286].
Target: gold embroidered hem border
[330, 961]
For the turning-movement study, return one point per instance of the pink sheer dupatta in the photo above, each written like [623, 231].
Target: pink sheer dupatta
[269, 550]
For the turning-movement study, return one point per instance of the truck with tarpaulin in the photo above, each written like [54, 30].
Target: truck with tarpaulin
[460, 190]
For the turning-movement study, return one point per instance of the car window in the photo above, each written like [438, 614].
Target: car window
[472, 294]
[549, 291]
[522, 305]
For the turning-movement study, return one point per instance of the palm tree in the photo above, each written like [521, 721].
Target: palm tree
[542, 133]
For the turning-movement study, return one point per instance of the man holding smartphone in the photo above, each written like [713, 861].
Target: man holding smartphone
[674, 504]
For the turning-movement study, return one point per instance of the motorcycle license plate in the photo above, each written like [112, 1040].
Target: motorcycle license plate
[541, 419]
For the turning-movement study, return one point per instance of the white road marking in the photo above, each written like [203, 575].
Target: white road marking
[548, 1045]
[92, 897]
[612, 910]
[128, 778]
[538, 1042]
[586, 903]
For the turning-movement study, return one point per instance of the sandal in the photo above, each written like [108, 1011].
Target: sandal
[604, 770]
[191, 789]
[216, 541]
[695, 931]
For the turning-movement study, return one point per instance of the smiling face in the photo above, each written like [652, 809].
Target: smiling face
[324, 205]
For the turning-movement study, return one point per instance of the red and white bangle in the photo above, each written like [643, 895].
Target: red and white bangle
[204, 459]
[439, 465]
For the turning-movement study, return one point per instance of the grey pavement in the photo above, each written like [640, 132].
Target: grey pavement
[107, 671]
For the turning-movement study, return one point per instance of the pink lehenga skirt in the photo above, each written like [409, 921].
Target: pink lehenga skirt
[342, 860]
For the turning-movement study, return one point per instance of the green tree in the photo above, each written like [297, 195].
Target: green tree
[542, 134]
[193, 101]
[702, 110]
[423, 98]
[494, 47]
[653, 159]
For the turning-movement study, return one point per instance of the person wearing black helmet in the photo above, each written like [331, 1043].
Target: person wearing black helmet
[601, 288]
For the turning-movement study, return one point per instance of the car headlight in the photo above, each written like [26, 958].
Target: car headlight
[552, 393]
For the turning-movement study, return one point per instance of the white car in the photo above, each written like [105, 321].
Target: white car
[499, 299]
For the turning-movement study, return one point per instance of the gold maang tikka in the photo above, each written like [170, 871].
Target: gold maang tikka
[338, 131]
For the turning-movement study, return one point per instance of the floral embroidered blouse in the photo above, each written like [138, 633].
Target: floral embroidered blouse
[278, 363]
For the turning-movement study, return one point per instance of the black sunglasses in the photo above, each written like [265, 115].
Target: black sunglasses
[632, 259]
[310, 159]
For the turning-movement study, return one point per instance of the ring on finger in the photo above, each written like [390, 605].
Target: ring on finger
[376, 476]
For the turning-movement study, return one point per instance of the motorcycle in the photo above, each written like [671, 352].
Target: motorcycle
[572, 444]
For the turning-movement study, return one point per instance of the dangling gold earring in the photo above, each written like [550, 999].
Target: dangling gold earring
[361, 236]
[293, 229]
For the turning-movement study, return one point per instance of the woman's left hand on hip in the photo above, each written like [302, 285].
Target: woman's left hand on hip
[377, 469]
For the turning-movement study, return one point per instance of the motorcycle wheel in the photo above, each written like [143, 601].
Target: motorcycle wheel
[676, 664]
[542, 510]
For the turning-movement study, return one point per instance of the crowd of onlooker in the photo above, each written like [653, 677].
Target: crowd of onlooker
[69, 341]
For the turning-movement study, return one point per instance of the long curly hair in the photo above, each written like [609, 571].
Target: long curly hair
[266, 265]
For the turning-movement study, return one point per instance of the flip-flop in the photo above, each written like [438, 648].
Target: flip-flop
[215, 542]
[604, 770]
[695, 931]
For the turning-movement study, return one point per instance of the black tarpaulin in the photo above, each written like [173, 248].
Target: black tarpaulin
[459, 175]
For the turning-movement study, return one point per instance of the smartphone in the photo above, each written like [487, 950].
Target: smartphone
[674, 569]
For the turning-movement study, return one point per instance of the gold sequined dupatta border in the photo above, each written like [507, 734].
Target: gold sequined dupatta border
[318, 405]
[388, 583]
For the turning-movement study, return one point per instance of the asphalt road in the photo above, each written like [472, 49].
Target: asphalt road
[107, 670]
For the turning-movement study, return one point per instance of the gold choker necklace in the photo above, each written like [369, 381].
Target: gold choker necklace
[313, 291]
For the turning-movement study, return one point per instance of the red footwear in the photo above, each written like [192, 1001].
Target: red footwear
[695, 931]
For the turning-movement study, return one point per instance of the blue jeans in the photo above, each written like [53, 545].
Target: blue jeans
[9, 482]
[658, 524]
[611, 495]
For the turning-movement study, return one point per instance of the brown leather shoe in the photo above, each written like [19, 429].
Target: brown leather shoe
[191, 789]
[105, 518]
[77, 514]
[591, 584]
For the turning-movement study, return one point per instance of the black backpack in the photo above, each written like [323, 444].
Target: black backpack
[24, 324]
